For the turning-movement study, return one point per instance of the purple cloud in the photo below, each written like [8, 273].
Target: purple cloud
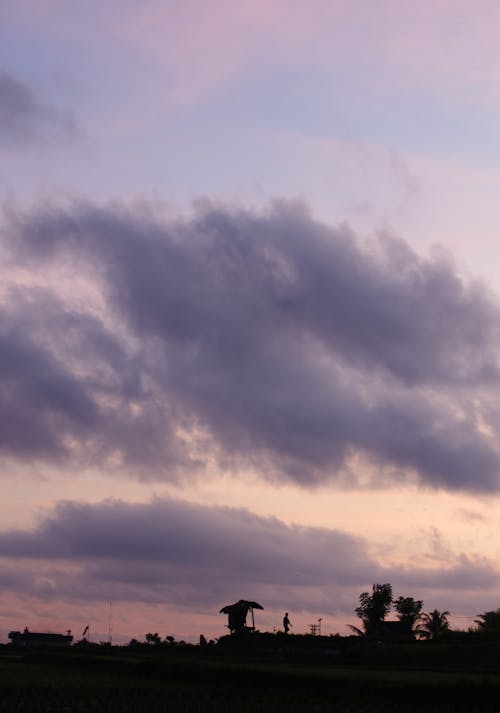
[72, 391]
[24, 117]
[197, 556]
[269, 341]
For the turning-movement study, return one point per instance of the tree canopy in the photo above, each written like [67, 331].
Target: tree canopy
[408, 610]
[374, 607]
[488, 621]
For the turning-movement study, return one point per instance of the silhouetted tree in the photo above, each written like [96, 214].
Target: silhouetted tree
[153, 639]
[433, 624]
[489, 621]
[373, 608]
[408, 610]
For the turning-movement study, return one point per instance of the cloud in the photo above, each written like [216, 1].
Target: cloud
[187, 554]
[196, 556]
[72, 390]
[263, 340]
[23, 117]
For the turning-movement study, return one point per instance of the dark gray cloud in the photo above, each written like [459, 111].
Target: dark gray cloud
[197, 556]
[24, 117]
[267, 340]
[73, 391]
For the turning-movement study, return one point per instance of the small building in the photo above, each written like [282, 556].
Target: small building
[32, 640]
[396, 631]
[237, 615]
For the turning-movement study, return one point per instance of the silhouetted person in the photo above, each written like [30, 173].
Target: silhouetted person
[286, 623]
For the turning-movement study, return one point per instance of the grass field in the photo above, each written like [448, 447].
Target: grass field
[190, 679]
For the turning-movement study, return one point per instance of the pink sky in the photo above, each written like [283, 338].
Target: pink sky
[248, 262]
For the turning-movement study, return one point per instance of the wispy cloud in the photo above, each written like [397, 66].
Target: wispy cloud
[24, 117]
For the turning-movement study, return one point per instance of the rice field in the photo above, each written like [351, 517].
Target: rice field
[120, 681]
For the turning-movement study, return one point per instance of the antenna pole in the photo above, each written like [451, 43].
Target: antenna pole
[110, 626]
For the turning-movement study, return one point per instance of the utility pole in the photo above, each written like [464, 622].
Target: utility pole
[110, 626]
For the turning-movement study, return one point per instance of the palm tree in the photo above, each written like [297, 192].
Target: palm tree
[489, 621]
[433, 624]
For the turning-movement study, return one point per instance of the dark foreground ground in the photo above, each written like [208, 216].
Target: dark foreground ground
[341, 675]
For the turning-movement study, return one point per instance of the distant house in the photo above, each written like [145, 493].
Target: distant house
[31, 640]
[396, 631]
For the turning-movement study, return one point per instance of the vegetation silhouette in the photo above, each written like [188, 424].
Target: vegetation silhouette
[411, 622]
[262, 672]
[489, 621]
[433, 624]
[433, 668]
[373, 608]
[408, 610]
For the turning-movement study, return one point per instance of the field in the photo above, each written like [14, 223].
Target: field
[365, 678]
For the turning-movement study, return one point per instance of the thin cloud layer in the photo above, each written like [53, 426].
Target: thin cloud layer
[24, 117]
[253, 340]
[196, 556]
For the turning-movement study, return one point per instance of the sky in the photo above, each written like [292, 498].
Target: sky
[250, 317]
